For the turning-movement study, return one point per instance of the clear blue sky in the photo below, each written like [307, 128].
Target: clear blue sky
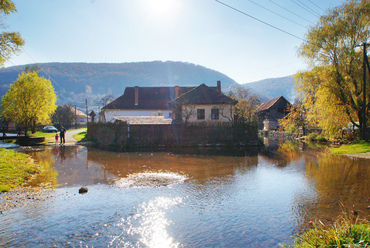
[203, 32]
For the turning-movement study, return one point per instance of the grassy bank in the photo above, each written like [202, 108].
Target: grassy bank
[345, 232]
[355, 148]
[16, 169]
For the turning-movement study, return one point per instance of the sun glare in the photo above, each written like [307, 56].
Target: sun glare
[160, 9]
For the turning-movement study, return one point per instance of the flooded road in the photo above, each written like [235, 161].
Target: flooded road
[186, 198]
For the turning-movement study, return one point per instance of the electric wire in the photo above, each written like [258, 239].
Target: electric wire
[316, 5]
[277, 14]
[272, 26]
[51, 79]
[291, 11]
[60, 95]
[300, 4]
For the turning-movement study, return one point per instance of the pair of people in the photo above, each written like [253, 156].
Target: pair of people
[62, 136]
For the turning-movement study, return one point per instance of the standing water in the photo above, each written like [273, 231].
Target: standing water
[201, 198]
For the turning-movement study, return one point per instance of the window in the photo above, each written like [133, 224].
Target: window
[215, 114]
[200, 114]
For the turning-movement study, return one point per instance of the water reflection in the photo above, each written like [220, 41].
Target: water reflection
[149, 223]
[241, 200]
[196, 167]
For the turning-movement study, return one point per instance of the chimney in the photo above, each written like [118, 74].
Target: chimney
[136, 95]
[219, 86]
[176, 91]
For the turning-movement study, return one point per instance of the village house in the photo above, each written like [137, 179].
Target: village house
[271, 111]
[204, 104]
[81, 117]
[145, 101]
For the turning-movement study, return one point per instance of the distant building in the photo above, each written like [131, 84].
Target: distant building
[271, 111]
[81, 117]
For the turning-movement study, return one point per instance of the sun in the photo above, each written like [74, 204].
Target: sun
[160, 9]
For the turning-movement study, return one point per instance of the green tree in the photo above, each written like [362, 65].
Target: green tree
[64, 115]
[294, 119]
[10, 42]
[30, 100]
[333, 86]
[245, 109]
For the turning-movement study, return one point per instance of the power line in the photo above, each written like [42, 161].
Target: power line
[276, 13]
[66, 98]
[303, 6]
[316, 5]
[281, 30]
[291, 12]
[51, 79]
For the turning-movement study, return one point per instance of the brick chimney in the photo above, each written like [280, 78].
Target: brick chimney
[136, 95]
[176, 91]
[219, 86]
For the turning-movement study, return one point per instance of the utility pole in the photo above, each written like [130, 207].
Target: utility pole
[75, 117]
[87, 114]
[364, 104]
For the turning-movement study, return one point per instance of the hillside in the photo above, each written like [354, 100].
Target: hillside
[274, 87]
[75, 82]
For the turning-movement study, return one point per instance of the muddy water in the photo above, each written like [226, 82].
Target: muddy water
[199, 198]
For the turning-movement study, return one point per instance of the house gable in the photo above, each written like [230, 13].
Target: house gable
[203, 104]
[273, 110]
[203, 95]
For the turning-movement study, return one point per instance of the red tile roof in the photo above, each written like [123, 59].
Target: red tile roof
[269, 104]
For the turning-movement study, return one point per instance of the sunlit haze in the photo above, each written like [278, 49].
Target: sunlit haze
[203, 32]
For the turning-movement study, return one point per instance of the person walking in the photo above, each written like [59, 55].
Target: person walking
[62, 135]
[56, 138]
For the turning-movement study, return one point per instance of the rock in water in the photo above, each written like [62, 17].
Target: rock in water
[83, 190]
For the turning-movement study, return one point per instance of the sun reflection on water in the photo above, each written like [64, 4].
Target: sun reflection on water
[148, 225]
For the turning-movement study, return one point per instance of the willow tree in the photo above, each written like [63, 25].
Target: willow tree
[30, 100]
[10, 42]
[333, 86]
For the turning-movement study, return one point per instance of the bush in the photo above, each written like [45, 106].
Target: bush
[311, 136]
[345, 232]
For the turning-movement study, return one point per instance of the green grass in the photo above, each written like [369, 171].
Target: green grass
[355, 148]
[16, 169]
[345, 232]
[81, 137]
[42, 134]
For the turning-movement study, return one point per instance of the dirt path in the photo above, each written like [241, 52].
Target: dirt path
[69, 137]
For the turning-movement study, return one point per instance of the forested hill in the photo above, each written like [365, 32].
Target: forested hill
[75, 82]
[274, 87]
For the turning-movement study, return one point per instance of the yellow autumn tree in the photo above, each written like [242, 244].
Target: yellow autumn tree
[30, 100]
[333, 86]
[10, 42]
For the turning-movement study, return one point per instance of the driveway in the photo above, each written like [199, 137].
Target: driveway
[70, 134]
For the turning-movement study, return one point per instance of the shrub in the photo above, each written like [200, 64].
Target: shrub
[345, 232]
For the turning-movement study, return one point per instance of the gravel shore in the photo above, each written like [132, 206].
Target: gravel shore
[23, 196]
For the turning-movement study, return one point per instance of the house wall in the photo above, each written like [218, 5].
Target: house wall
[224, 112]
[278, 111]
[109, 114]
[81, 120]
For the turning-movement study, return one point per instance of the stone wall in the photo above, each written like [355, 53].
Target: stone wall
[280, 135]
[121, 135]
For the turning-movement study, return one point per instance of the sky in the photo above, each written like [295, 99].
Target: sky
[262, 42]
